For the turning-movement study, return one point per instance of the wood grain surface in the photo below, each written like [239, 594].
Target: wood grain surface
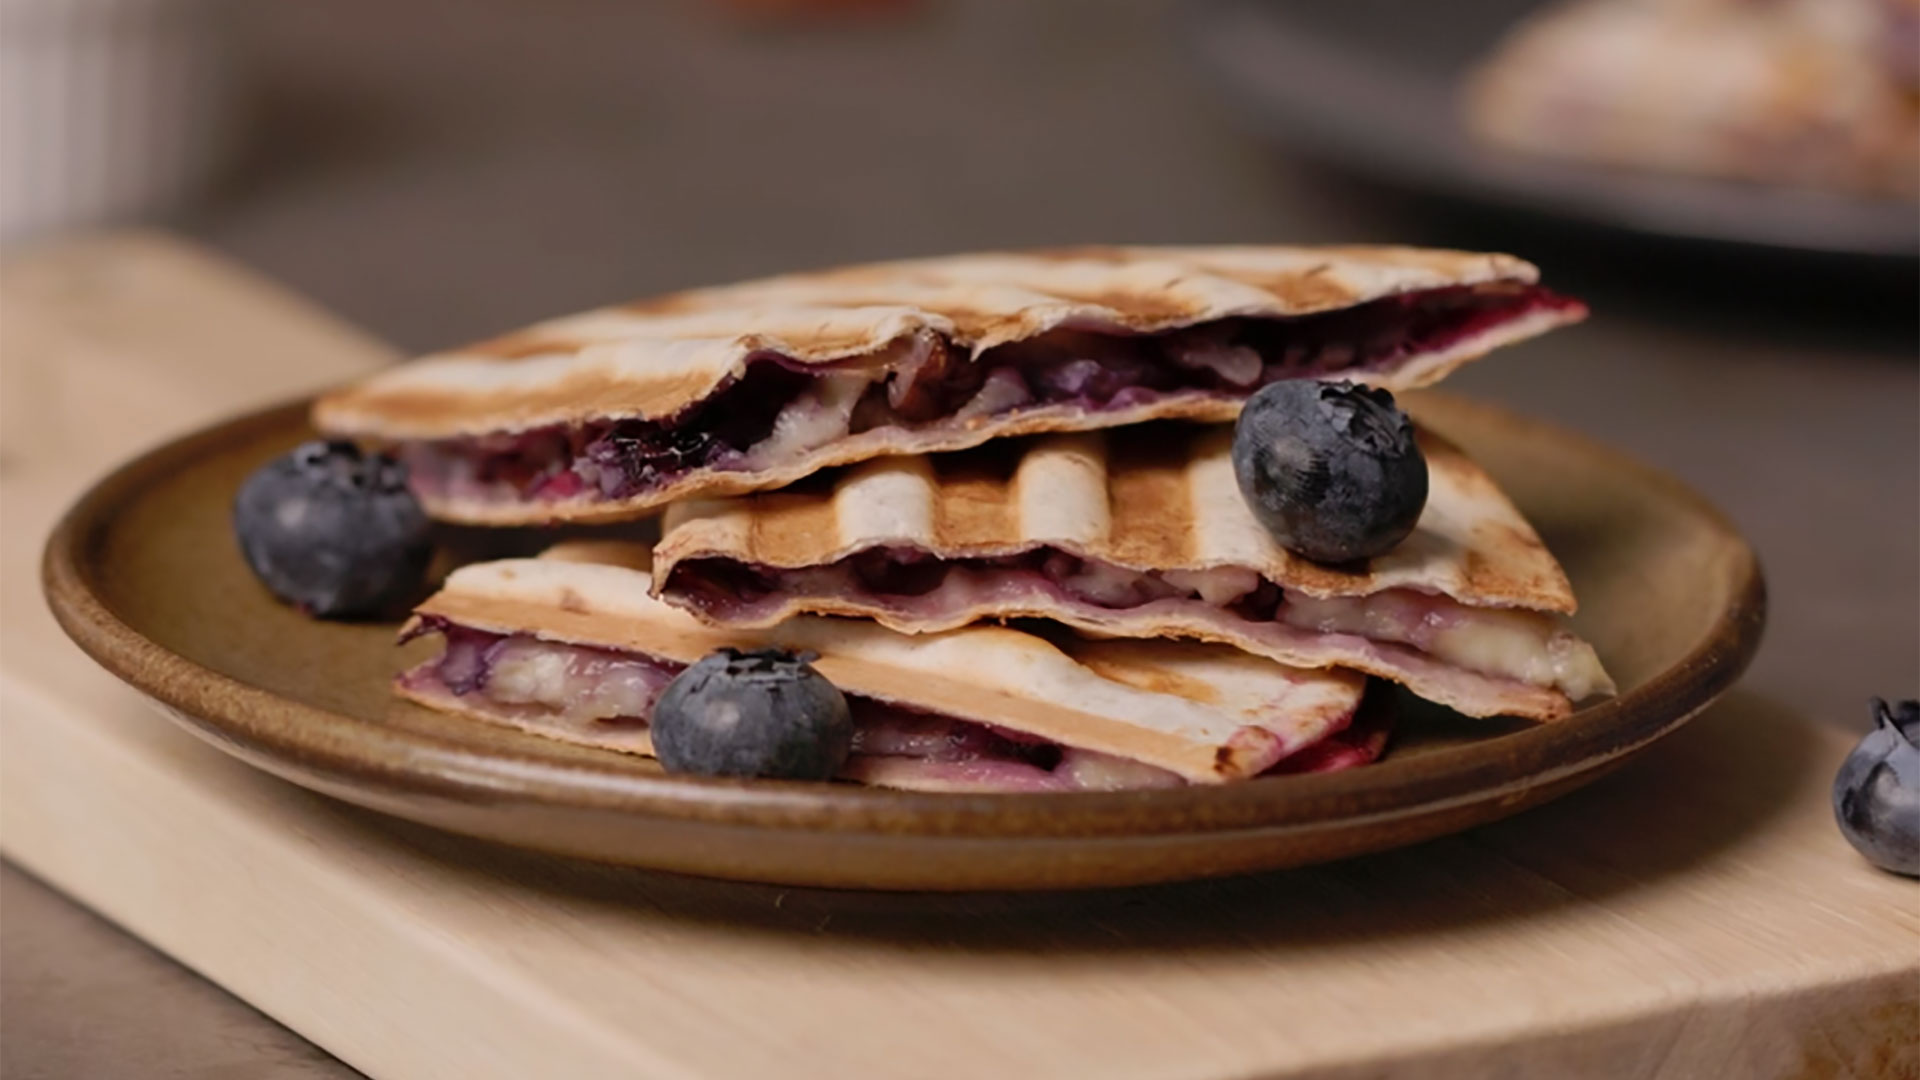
[1693, 915]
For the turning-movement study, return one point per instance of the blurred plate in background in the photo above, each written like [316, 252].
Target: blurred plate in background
[1370, 86]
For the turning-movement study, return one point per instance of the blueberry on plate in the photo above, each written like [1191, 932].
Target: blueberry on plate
[334, 531]
[1330, 468]
[1876, 796]
[763, 713]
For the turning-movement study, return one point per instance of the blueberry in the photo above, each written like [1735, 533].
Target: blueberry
[1330, 468]
[1876, 796]
[333, 531]
[761, 713]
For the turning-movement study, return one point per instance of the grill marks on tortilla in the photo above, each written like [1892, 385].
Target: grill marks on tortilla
[793, 523]
[602, 392]
[1001, 498]
[1140, 664]
[1254, 709]
[1142, 308]
[971, 508]
[523, 344]
[655, 357]
[1149, 498]
[1317, 289]
[1159, 497]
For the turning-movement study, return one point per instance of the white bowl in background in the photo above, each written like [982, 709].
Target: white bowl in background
[110, 110]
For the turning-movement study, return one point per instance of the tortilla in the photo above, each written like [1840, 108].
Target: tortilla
[610, 414]
[1202, 714]
[1144, 533]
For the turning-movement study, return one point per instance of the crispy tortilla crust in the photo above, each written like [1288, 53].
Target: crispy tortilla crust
[655, 358]
[1466, 692]
[594, 733]
[1155, 500]
[1208, 714]
[1161, 498]
[892, 440]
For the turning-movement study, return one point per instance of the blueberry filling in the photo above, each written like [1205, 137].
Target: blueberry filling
[722, 588]
[914, 585]
[776, 410]
[525, 678]
[564, 689]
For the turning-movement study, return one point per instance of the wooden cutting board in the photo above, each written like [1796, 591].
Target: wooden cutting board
[1694, 915]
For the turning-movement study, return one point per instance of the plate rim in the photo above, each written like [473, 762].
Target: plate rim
[328, 750]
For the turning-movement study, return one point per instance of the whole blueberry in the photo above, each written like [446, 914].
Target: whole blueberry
[1876, 796]
[1330, 468]
[333, 531]
[761, 713]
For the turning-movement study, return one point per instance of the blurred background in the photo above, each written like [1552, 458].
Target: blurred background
[438, 170]
[1730, 183]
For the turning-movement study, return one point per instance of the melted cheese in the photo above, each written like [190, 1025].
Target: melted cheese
[821, 414]
[1524, 646]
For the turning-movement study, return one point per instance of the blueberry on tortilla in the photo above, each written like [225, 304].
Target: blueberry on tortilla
[763, 713]
[1331, 469]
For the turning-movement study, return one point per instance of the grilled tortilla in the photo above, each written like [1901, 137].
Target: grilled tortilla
[611, 414]
[1144, 533]
[572, 646]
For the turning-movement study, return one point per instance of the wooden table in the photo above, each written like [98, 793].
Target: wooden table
[1695, 914]
[475, 202]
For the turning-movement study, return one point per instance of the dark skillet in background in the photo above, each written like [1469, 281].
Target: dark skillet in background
[1369, 86]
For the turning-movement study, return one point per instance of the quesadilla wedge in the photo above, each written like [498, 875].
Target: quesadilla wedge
[1818, 94]
[1144, 533]
[572, 646]
[610, 414]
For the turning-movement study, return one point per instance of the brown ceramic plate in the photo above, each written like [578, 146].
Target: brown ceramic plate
[144, 574]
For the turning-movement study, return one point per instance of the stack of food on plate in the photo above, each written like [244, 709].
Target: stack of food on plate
[984, 523]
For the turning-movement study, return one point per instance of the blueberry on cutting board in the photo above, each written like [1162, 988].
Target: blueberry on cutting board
[764, 713]
[1876, 796]
[334, 531]
[1330, 468]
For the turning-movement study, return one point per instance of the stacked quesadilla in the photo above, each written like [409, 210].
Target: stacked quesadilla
[571, 644]
[1144, 533]
[615, 413]
[1039, 437]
